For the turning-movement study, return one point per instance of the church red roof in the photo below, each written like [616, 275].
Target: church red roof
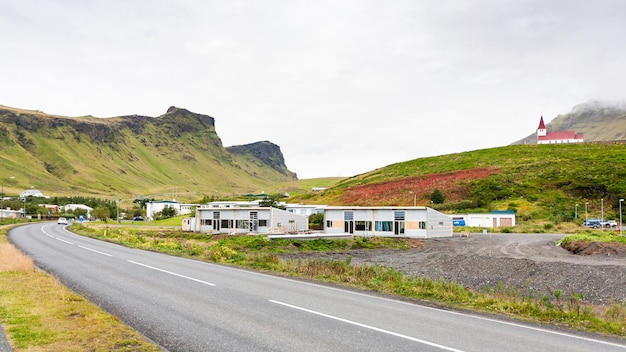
[550, 136]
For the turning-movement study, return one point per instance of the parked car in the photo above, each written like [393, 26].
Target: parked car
[609, 224]
[137, 218]
[62, 221]
[593, 223]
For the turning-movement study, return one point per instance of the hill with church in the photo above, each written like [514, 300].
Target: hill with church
[593, 121]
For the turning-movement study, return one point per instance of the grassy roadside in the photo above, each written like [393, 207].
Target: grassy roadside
[257, 252]
[39, 314]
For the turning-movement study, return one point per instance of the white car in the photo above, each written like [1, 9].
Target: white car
[609, 223]
[62, 221]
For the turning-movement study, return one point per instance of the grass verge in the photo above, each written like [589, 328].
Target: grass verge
[39, 314]
[257, 252]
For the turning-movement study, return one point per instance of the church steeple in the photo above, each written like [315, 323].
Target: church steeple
[541, 130]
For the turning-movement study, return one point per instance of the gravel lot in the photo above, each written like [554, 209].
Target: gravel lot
[529, 263]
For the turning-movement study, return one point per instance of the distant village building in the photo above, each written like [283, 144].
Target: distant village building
[13, 214]
[31, 193]
[73, 207]
[497, 218]
[559, 137]
[152, 208]
[304, 209]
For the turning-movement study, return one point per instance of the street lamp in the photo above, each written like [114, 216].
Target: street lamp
[602, 219]
[2, 204]
[414, 198]
[117, 206]
[586, 203]
[620, 216]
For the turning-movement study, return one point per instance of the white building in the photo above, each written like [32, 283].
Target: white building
[31, 193]
[304, 209]
[152, 208]
[420, 222]
[12, 214]
[233, 204]
[245, 220]
[496, 218]
[72, 207]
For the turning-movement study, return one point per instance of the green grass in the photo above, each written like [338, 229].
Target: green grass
[594, 236]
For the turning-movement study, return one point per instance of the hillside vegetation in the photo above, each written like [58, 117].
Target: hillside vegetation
[537, 181]
[176, 155]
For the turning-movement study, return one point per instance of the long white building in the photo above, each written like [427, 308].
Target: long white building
[245, 220]
[418, 222]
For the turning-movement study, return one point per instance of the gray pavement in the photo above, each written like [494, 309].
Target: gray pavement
[4, 344]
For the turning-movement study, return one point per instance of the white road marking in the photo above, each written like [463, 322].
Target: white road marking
[368, 326]
[171, 273]
[95, 251]
[62, 240]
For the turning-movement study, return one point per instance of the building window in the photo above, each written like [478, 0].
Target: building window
[348, 215]
[243, 224]
[262, 223]
[385, 226]
[361, 225]
[329, 223]
[398, 215]
[422, 225]
[226, 224]
[206, 222]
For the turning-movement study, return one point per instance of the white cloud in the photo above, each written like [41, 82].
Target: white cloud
[342, 87]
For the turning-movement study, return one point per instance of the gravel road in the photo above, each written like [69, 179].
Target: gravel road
[527, 263]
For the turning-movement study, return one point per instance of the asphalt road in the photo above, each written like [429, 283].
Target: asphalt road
[185, 305]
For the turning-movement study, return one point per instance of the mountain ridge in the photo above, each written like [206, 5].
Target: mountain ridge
[132, 154]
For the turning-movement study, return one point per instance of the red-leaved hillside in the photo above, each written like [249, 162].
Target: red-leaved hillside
[453, 185]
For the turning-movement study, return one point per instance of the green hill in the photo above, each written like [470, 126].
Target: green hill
[177, 154]
[537, 181]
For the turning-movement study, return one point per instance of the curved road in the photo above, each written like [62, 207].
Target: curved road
[186, 305]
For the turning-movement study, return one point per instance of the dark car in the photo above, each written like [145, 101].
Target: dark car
[137, 218]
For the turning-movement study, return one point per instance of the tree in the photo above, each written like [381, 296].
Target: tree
[101, 213]
[316, 219]
[271, 202]
[437, 197]
[167, 212]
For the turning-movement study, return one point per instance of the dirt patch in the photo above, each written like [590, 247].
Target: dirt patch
[596, 248]
[526, 264]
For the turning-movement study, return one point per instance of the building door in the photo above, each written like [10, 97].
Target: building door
[254, 221]
[398, 224]
[216, 220]
[348, 222]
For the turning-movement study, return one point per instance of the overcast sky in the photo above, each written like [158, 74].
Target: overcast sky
[343, 87]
